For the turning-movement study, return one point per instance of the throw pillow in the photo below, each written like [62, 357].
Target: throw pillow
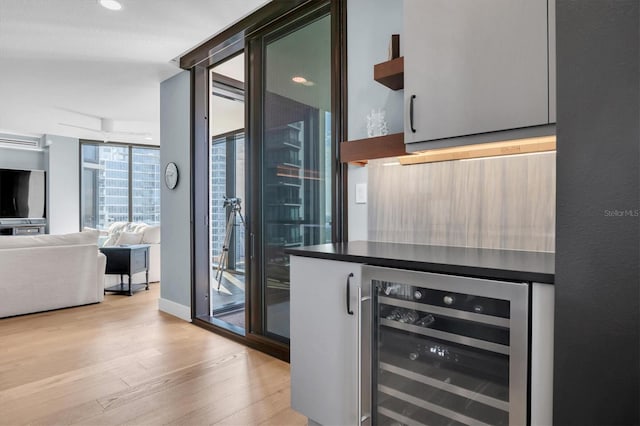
[136, 227]
[115, 230]
[127, 238]
[117, 227]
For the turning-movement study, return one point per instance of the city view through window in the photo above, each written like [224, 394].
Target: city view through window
[110, 194]
[220, 171]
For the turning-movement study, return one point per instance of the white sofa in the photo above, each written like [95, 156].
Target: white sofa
[135, 233]
[44, 272]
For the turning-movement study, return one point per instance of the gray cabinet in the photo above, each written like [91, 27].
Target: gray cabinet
[324, 340]
[333, 351]
[474, 67]
[542, 313]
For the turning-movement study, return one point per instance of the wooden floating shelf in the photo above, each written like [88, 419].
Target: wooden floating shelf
[362, 150]
[390, 73]
[493, 149]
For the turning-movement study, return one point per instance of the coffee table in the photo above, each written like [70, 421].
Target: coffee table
[127, 260]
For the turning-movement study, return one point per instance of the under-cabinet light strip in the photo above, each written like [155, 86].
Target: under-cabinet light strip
[484, 150]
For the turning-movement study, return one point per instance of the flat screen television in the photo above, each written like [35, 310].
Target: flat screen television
[22, 194]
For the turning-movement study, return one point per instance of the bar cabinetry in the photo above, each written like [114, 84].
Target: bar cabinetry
[377, 345]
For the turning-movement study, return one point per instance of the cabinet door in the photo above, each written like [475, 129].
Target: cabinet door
[474, 66]
[324, 340]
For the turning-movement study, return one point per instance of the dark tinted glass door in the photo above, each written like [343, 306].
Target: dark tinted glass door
[296, 179]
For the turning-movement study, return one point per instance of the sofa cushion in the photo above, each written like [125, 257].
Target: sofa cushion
[127, 238]
[100, 232]
[151, 235]
[26, 241]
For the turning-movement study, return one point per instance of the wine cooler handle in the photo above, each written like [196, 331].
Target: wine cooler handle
[364, 354]
[359, 355]
[349, 311]
[411, 113]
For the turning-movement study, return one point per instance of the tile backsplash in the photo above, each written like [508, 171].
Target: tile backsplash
[500, 202]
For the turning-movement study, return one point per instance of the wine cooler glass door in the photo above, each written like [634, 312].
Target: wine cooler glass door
[447, 349]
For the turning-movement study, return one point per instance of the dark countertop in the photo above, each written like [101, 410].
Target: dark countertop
[483, 263]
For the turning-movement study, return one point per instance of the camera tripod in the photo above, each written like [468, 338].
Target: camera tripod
[235, 204]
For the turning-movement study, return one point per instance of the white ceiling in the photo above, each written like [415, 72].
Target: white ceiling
[74, 62]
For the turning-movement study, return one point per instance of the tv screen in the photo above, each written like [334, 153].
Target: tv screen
[22, 194]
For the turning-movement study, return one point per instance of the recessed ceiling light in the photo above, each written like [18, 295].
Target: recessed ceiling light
[298, 79]
[111, 4]
[148, 138]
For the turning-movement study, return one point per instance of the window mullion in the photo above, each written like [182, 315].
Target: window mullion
[130, 183]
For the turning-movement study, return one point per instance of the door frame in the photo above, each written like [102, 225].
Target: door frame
[221, 47]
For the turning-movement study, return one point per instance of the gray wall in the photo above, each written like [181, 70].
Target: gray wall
[11, 158]
[175, 137]
[63, 184]
[370, 24]
[597, 321]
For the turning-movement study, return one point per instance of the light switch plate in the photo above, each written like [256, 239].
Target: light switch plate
[361, 193]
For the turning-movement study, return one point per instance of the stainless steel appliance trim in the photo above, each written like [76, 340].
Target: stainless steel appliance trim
[359, 355]
[519, 357]
[517, 293]
[448, 312]
[365, 312]
[484, 399]
[399, 417]
[463, 340]
[431, 407]
[502, 290]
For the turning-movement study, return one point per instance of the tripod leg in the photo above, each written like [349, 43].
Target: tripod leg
[224, 256]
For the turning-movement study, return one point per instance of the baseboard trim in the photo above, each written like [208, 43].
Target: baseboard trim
[176, 309]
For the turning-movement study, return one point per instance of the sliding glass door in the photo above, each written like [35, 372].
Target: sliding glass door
[269, 145]
[293, 201]
[227, 196]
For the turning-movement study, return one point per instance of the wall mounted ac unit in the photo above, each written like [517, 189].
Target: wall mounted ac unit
[13, 141]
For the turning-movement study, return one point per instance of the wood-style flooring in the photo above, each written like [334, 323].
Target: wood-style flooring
[124, 362]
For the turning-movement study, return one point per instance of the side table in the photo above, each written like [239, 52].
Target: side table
[127, 260]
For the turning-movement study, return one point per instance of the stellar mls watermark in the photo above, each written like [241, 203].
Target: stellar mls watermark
[622, 213]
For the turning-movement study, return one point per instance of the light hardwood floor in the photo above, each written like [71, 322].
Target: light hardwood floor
[124, 362]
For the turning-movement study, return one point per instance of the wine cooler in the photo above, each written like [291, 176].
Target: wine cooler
[442, 349]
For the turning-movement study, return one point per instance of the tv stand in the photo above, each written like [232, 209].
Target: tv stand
[22, 226]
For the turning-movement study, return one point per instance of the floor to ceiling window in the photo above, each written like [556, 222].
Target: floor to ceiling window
[120, 183]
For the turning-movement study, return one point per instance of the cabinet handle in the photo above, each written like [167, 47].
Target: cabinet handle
[411, 113]
[349, 311]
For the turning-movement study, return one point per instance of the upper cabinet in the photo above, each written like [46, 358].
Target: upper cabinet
[474, 67]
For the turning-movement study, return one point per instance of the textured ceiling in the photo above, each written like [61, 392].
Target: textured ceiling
[74, 62]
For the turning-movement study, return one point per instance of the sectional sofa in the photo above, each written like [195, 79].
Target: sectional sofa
[44, 272]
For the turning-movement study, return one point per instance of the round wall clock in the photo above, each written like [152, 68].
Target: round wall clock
[171, 175]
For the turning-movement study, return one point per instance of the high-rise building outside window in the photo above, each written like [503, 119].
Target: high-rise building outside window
[120, 183]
